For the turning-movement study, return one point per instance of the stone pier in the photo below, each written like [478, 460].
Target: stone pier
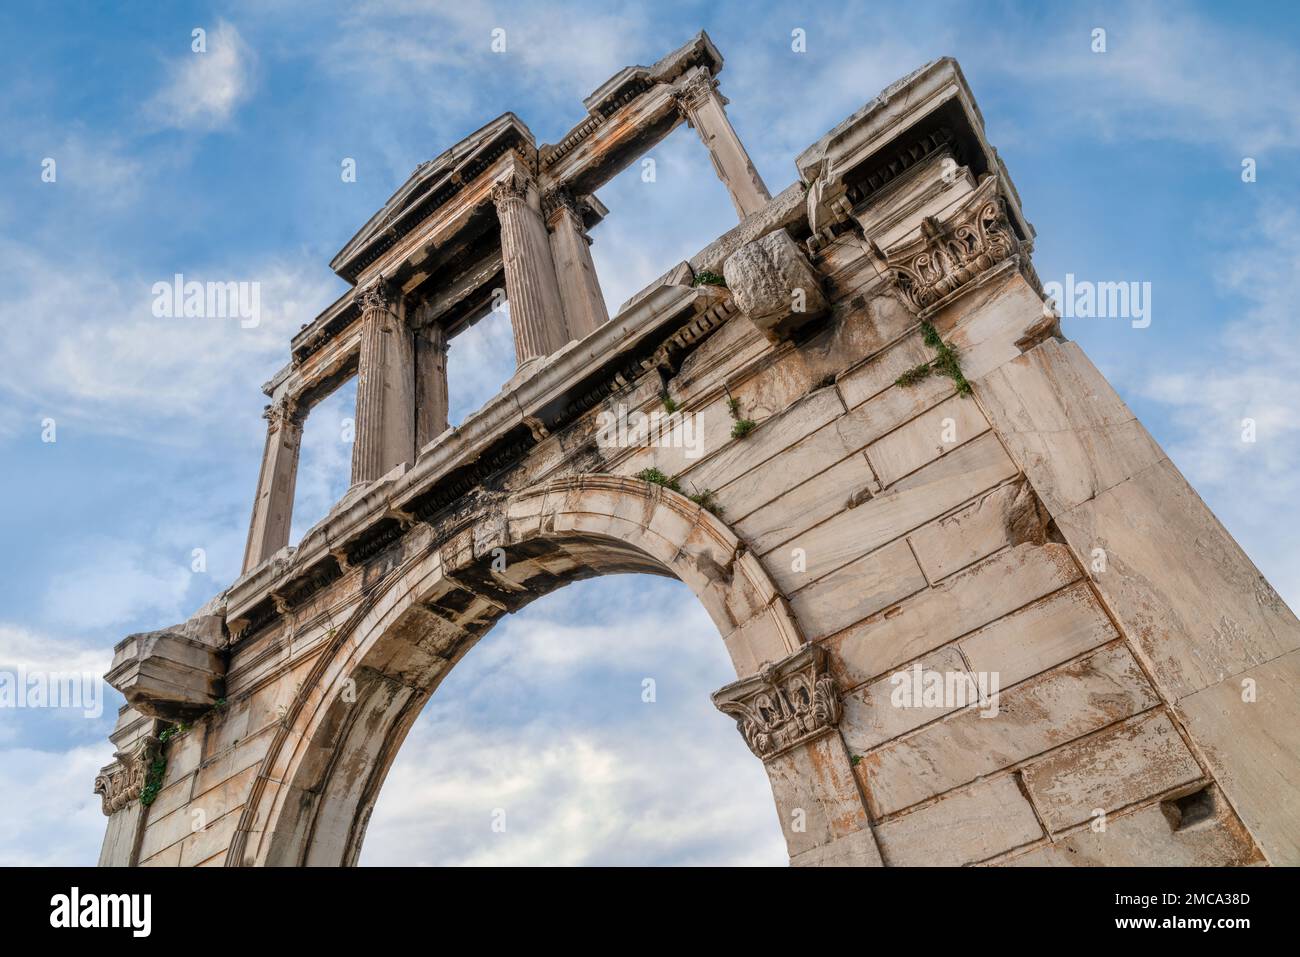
[705, 109]
[268, 531]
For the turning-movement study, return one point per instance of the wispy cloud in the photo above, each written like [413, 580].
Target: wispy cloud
[1249, 373]
[61, 823]
[85, 346]
[118, 582]
[1166, 73]
[100, 168]
[20, 647]
[205, 88]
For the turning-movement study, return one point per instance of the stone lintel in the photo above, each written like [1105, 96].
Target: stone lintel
[412, 203]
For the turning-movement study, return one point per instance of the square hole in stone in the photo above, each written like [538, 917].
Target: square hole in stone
[1190, 810]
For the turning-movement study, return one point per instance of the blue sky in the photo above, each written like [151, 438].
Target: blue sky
[226, 166]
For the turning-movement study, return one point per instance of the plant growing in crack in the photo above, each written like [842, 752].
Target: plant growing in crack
[704, 499]
[946, 362]
[742, 426]
[175, 730]
[707, 501]
[153, 779]
[656, 477]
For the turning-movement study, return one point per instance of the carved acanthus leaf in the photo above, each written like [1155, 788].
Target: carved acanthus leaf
[559, 198]
[949, 254]
[511, 189]
[691, 93]
[122, 781]
[374, 296]
[283, 413]
[785, 704]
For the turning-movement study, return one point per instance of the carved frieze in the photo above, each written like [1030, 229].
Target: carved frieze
[121, 782]
[785, 704]
[950, 253]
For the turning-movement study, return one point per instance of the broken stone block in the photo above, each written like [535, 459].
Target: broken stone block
[774, 285]
[175, 674]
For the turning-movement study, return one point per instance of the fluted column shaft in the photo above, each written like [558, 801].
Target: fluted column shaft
[431, 399]
[705, 110]
[268, 531]
[536, 311]
[385, 420]
[584, 304]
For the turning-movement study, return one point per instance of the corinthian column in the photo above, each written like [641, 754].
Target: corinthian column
[536, 311]
[584, 305]
[268, 531]
[385, 420]
[704, 109]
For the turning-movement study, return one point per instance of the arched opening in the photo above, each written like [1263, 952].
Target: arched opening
[321, 776]
[579, 731]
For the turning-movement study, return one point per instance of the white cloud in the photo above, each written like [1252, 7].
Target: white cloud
[408, 46]
[1250, 373]
[22, 648]
[205, 89]
[83, 345]
[98, 167]
[574, 797]
[324, 462]
[545, 720]
[1167, 74]
[53, 816]
[481, 359]
[76, 705]
[113, 583]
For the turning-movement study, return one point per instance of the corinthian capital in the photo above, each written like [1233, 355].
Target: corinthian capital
[123, 781]
[505, 193]
[693, 91]
[553, 200]
[283, 413]
[948, 254]
[376, 295]
[785, 704]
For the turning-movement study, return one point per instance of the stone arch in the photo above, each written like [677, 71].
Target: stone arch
[322, 773]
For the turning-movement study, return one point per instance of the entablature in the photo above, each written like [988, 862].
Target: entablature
[662, 327]
[929, 111]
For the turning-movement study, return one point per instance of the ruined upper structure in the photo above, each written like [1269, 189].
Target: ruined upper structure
[905, 469]
[495, 212]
